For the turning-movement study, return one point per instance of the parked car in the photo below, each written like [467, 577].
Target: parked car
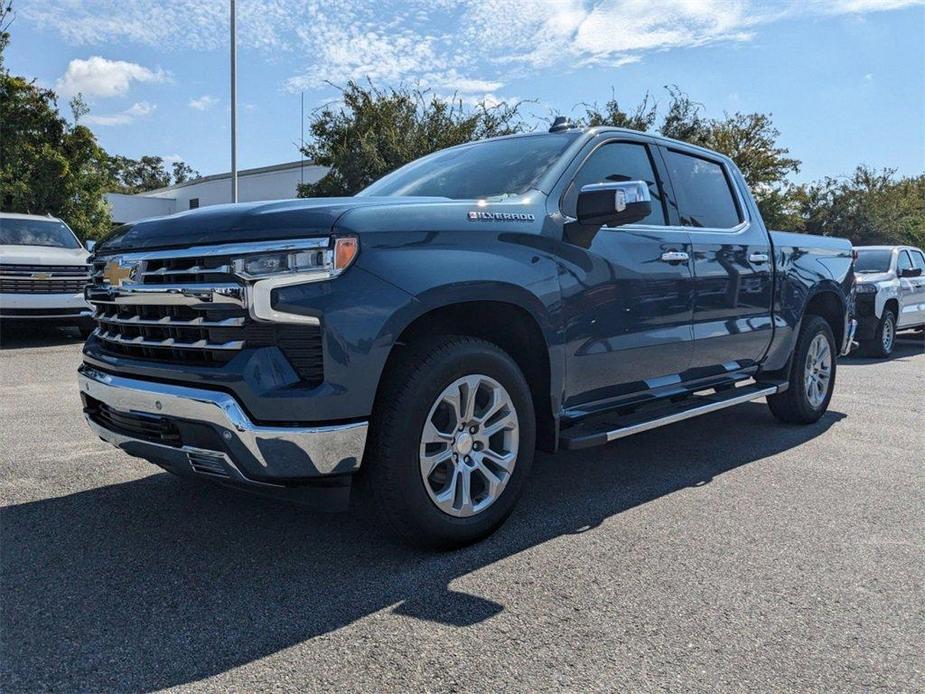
[43, 272]
[890, 295]
[560, 289]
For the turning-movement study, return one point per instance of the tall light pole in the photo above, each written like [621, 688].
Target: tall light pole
[234, 107]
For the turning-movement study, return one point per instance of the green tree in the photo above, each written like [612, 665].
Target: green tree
[48, 165]
[640, 118]
[132, 176]
[183, 172]
[375, 131]
[868, 207]
[6, 18]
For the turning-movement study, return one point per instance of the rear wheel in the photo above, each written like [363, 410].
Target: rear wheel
[451, 442]
[812, 375]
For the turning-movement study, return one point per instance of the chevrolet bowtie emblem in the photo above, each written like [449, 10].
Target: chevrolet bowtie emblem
[117, 272]
[41, 275]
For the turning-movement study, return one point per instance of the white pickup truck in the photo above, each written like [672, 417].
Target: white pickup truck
[890, 295]
[43, 272]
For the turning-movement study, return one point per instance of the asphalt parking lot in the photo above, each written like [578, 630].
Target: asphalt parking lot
[727, 552]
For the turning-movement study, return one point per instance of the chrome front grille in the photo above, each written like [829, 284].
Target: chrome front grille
[43, 279]
[190, 310]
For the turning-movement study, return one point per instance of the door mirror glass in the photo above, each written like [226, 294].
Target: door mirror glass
[90, 244]
[910, 272]
[614, 204]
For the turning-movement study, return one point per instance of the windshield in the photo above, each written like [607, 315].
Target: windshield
[873, 261]
[488, 169]
[36, 232]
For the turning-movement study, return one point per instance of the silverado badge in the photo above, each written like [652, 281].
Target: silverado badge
[118, 272]
[502, 216]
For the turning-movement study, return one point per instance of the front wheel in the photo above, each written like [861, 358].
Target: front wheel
[885, 337]
[451, 442]
[812, 375]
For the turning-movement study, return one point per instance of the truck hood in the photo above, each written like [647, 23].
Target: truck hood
[242, 222]
[871, 277]
[42, 255]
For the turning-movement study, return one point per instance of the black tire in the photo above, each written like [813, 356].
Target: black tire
[390, 475]
[793, 406]
[886, 327]
[86, 329]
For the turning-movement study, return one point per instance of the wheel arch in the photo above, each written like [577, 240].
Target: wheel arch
[829, 304]
[511, 327]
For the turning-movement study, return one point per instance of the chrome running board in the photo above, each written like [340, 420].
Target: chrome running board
[605, 428]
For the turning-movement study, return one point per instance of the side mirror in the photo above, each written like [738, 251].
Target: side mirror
[614, 204]
[910, 272]
[90, 244]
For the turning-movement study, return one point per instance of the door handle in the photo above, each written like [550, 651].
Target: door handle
[758, 258]
[675, 257]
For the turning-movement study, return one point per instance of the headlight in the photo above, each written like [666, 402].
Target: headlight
[313, 263]
[865, 288]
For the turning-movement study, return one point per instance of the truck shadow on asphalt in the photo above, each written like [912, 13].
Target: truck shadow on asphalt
[156, 582]
[907, 345]
[19, 336]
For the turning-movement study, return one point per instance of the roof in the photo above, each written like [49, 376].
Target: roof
[227, 175]
[38, 217]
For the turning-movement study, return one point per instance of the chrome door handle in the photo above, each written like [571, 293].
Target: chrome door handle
[758, 258]
[675, 257]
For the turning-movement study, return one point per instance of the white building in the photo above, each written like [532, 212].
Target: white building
[276, 182]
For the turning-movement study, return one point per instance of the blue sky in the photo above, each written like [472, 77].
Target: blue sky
[844, 79]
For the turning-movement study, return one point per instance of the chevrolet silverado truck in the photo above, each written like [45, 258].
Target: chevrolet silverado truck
[43, 271]
[417, 341]
[889, 295]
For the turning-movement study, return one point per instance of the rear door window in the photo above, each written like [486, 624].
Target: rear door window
[702, 186]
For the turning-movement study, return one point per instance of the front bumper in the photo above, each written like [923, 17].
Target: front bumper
[211, 435]
[72, 307]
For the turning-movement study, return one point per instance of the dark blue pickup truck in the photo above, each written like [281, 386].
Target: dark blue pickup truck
[419, 340]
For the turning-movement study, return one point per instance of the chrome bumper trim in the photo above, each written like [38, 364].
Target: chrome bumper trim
[83, 314]
[282, 452]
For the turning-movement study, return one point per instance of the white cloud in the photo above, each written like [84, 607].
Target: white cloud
[98, 76]
[462, 46]
[203, 103]
[139, 109]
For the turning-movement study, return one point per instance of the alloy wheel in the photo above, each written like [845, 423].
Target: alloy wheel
[818, 371]
[469, 445]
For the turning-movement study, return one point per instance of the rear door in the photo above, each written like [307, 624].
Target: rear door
[731, 262]
[911, 289]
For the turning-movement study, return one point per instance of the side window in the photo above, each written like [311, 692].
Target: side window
[905, 263]
[918, 260]
[705, 197]
[618, 161]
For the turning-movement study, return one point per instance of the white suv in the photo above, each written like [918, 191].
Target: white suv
[889, 296]
[43, 271]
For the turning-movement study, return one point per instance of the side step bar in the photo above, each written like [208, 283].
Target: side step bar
[605, 428]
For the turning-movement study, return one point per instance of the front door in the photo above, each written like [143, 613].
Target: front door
[732, 265]
[628, 296]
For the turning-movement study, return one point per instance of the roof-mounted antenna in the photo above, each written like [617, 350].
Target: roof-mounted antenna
[561, 123]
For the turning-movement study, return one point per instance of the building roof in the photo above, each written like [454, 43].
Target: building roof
[227, 175]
